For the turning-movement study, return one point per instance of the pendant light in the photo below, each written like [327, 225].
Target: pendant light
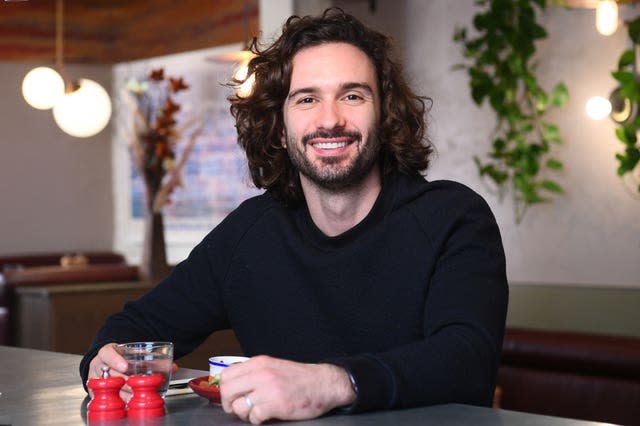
[42, 87]
[85, 111]
[81, 108]
[607, 17]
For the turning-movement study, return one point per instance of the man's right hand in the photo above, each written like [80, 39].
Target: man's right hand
[109, 357]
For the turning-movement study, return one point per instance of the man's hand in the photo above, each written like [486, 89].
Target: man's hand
[265, 388]
[108, 356]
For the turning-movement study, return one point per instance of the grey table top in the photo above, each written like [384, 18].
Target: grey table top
[40, 387]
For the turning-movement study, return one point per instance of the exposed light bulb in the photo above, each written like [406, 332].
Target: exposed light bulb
[598, 107]
[42, 87]
[83, 112]
[607, 17]
[240, 74]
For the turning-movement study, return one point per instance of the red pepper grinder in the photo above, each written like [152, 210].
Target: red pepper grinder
[146, 400]
[106, 403]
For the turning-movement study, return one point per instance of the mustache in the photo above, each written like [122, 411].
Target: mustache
[331, 134]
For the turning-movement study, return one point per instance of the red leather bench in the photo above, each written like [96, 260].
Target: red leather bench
[575, 375]
[26, 260]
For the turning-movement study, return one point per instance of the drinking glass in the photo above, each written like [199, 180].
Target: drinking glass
[149, 358]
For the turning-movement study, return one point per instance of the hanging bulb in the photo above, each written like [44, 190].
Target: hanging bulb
[607, 17]
[240, 74]
[83, 112]
[42, 87]
[598, 107]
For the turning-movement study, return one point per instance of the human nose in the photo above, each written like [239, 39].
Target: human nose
[330, 116]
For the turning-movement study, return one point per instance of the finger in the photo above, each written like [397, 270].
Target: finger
[257, 414]
[233, 403]
[242, 407]
[111, 358]
[235, 382]
[107, 356]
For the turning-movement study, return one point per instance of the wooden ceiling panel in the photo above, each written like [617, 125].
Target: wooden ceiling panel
[110, 31]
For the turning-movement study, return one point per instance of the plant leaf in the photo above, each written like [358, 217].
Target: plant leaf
[627, 58]
[554, 164]
[634, 30]
[560, 95]
[551, 133]
[552, 186]
[621, 135]
[623, 76]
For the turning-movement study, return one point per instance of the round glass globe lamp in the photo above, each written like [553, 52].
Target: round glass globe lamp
[84, 112]
[42, 87]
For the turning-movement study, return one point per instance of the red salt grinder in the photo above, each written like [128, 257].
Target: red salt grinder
[146, 401]
[106, 403]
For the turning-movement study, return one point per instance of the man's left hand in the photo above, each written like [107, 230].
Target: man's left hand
[265, 388]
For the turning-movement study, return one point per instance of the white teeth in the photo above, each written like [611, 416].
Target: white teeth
[330, 145]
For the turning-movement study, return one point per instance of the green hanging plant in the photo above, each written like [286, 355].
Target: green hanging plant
[501, 67]
[625, 100]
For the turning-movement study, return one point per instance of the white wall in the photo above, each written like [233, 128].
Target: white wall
[55, 190]
[591, 235]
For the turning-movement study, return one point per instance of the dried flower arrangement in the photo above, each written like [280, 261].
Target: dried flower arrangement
[156, 134]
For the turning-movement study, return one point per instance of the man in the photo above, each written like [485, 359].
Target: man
[352, 282]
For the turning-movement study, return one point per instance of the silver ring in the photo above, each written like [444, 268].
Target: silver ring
[248, 401]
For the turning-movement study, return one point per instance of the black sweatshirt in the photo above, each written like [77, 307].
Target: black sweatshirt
[412, 300]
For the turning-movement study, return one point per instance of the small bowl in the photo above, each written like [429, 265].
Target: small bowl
[212, 393]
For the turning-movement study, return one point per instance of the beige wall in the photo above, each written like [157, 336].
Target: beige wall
[55, 190]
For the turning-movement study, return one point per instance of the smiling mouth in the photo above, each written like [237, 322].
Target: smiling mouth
[330, 145]
[331, 140]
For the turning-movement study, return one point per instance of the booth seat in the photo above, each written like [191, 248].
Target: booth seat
[56, 268]
[27, 260]
[49, 275]
[567, 374]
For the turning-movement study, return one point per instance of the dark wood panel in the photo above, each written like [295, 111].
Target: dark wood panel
[65, 317]
[109, 31]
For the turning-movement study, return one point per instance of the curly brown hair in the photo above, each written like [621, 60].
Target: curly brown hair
[259, 115]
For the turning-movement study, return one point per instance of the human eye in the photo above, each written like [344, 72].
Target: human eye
[304, 102]
[353, 98]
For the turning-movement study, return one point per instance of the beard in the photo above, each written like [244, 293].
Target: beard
[329, 174]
